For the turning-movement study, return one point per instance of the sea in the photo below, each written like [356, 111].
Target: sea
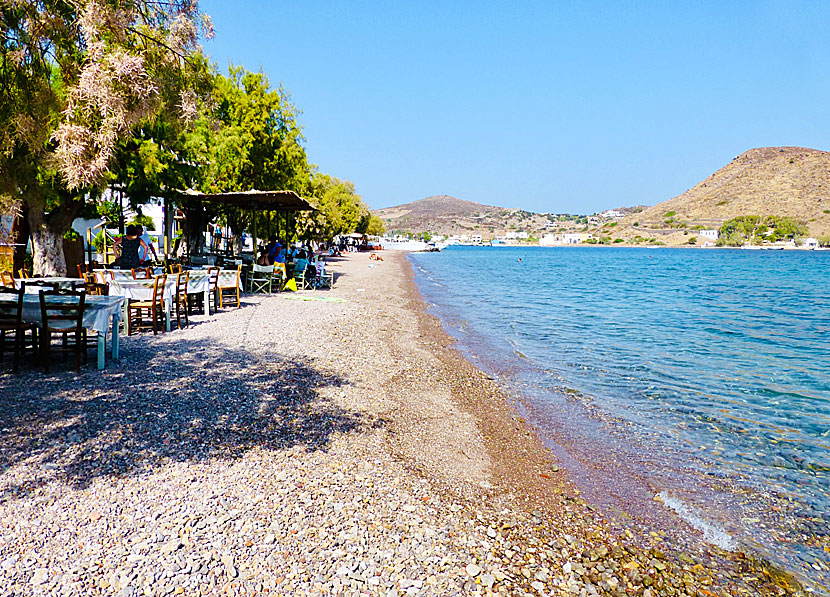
[672, 384]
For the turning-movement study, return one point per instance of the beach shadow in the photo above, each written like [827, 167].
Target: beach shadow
[207, 402]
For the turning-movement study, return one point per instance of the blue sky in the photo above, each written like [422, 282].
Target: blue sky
[547, 106]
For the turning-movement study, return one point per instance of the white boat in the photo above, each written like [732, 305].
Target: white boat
[407, 245]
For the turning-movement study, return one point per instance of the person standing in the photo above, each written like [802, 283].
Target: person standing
[147, 247]
[130, 245]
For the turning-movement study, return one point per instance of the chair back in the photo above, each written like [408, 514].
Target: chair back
[158, 288]
[174, 268]
[11, 307]
[94, 288]
[213, 278]
[22, 274]
[142, 273]
[7, 279]
[39, 284]
[263, 269]
[62, 310]
[182, 279]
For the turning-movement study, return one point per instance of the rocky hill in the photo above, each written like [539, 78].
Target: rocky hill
[446, 215]
[792, 182]
[783, 181]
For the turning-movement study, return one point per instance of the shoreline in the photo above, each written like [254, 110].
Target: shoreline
[309, 447]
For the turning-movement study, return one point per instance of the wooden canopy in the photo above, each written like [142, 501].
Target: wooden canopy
[255, 200]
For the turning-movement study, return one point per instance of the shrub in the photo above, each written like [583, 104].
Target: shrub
[692, 241]
[670, 214]
[619, 240]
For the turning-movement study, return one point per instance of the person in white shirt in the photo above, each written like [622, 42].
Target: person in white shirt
[144, 251]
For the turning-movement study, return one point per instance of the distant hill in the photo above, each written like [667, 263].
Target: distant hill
[783, 181]
[447, 215]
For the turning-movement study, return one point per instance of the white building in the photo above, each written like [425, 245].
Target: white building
[611, 213]
[475, 239]
[553, 240]
[710, 234]
[513, 235]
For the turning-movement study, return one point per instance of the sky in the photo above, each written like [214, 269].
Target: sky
[557, 107]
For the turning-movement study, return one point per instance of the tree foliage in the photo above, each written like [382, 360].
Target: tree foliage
[76, 76]
[340, 211]
[248, 139]
[757, 230]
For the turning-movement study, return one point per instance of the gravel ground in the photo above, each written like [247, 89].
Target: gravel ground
[297, 447]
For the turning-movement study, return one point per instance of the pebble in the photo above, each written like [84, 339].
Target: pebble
[256, 452]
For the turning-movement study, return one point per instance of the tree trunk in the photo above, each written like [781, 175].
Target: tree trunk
[193, 229]
[48, 252]
[20, 236]
[47, 233]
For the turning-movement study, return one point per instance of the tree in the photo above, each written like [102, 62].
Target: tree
[76, 77]
[249, 140]
[756, 230]
[340, 210]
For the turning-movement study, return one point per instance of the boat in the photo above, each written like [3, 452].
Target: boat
[408, 245]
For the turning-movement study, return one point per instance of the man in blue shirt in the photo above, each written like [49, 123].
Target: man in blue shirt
[275, 252]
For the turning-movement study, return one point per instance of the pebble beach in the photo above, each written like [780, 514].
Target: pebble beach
[327, 442]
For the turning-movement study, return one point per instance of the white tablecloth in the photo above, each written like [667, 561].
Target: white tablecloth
[141, 290]
[199, 280]
[98, 310]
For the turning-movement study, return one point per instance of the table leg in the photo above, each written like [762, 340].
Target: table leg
[116, 349]
[168, 312]
[102, 348]
[127, 317]
[207, 302]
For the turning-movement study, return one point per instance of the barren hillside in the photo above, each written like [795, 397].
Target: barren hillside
[783, 181]
[446, 215]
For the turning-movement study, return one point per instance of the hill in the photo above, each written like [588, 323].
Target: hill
[783, 181]
[447, 215]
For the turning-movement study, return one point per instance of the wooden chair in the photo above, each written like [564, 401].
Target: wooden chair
[7, 279]
[182, 278]
[232, 293]
[11, 321]
[22, 274]
[62, 312]
[94, 288]
[154, 307]
[174, 268]
[142, 273]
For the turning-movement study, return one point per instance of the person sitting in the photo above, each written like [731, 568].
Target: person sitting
[303, 266]
[263, 257]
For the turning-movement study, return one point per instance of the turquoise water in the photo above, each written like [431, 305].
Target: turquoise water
[702, 375]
